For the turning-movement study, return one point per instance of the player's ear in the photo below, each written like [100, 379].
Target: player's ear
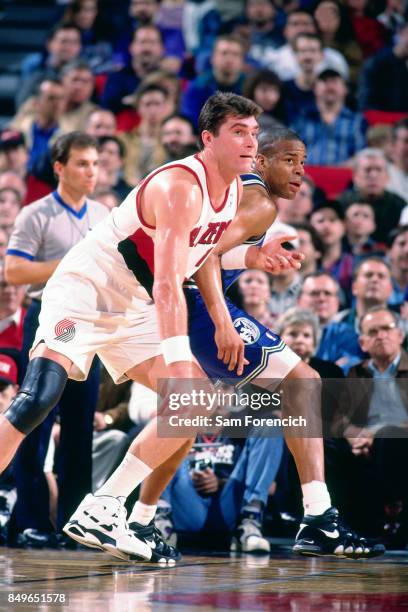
[206, 137]
[260, 160]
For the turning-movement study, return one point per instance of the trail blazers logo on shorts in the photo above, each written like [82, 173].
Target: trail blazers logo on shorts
[64, 330]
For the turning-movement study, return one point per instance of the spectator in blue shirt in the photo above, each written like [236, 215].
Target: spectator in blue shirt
[146, 52]
[332, 133]
[227, 62]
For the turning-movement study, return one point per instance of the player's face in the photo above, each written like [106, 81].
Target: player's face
[236, 144]
[283, 168]
[80, 172]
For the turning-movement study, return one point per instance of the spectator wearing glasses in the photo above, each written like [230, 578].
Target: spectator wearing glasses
[321, 294]
[374, 447]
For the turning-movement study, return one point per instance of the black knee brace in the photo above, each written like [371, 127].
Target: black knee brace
[40, 391]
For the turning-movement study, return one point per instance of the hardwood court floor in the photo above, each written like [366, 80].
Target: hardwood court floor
[95, 581]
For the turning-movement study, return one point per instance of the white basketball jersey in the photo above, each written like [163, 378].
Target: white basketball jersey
[120, 249]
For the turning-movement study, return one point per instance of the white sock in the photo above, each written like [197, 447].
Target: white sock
[142, 513]
[316, 498]
[130, 473]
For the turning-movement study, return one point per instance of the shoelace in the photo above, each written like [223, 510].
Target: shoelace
[152, 532]
[251, 527]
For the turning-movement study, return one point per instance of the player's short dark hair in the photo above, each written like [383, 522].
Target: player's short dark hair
[73, 140]
[221, 105]
[269, 137]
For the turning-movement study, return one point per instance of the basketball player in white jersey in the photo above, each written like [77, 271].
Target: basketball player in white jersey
[99, 301]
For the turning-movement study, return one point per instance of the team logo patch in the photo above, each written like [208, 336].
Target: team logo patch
[64, 330]
[247, 330]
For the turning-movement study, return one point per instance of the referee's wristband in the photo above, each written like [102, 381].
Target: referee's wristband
[176, 348]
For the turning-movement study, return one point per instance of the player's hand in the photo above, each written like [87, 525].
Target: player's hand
[230, 348]
[205, 482]
[273, 258]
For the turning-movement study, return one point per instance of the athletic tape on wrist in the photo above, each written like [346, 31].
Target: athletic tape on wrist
[235, 258]
[176, 348]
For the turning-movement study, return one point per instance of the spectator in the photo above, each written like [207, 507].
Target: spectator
[336, 30]
[12, 315]
[146, 51]
[263, 34]
[370, 178]
[371, 287]
[3, 245]
[394, 16]
[107, 197]
[360, 225]
[320, 293]
[101, 122]
[13, 152]
[379, 137]
[10, 204]
[328, 221]
[78, 82]
[398, 169]
[148, 12]
[110, 175]
[296, 210]
[300, 329]
[43, 233]
[63, 46]
[225, 75]
[10, 179]
[265, 88]
[311, 246]
[370, 454]
[398, 258]
[177, 137]
[370, 34]
[95, 33]
[331, 132]
[8, 390]
[41, 126]
[285, 63]
[255, 293]
[142, 144]
[299, 92]
[227, 487]
[285, 288]
[382, 78]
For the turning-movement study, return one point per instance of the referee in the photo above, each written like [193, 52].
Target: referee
[43, 233]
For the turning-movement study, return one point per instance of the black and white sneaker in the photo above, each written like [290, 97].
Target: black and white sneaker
[248, 536]
[100, 522]
[161, 552]
[325, 534]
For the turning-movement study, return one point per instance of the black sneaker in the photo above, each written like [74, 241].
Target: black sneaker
[325, 534]
[161, 552]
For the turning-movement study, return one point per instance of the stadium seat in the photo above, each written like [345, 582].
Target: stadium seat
[374, 117]
[333, 180]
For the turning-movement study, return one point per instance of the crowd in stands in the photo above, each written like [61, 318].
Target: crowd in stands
[127, 83]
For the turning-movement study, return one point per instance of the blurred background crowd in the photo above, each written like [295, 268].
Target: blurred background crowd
[127, 78]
